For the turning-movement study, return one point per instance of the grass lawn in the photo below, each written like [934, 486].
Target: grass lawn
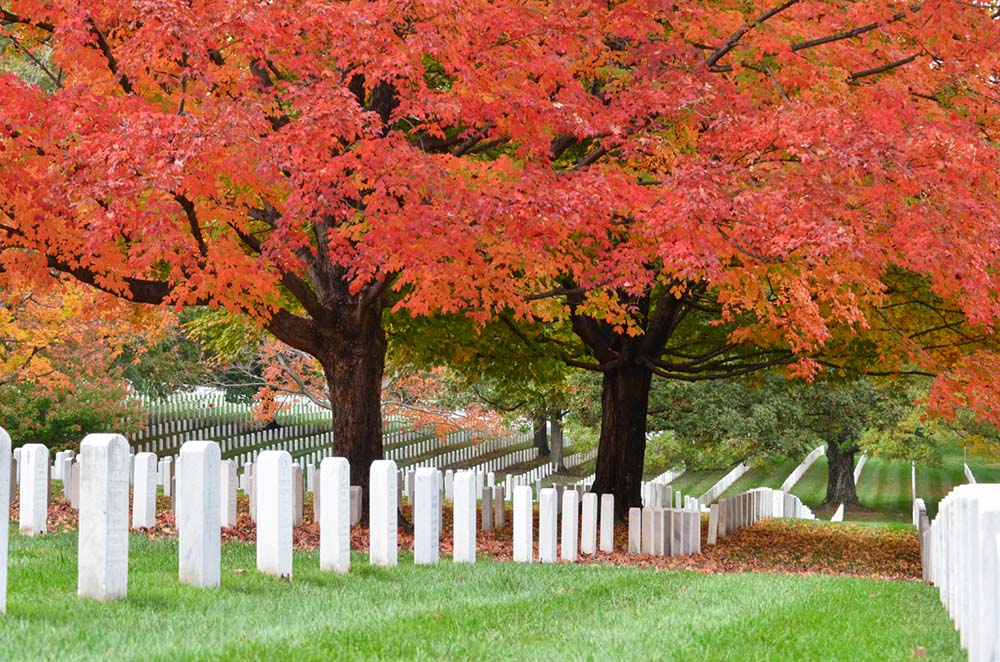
[490, 610]
[772, 475]
[696, 483]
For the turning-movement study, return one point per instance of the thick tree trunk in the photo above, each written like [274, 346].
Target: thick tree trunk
[840, 486]
[622, 451]
[353, 371]
[555, 420]
[541, 435]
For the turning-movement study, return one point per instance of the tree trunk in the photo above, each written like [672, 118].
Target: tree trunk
[353, 370]
[622, 450]
[555, 420]
[541, 435]
[840, 486]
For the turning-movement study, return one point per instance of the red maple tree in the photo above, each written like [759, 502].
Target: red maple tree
[762, 169]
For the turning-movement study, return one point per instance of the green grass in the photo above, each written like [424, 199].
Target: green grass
[697, 483]
[489, 610]
[772, 475]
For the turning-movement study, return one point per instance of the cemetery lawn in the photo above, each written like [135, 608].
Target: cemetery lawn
[489, 610]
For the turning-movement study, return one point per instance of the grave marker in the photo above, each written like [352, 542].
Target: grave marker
[6, 463]
[588, 527]
[273, 484]
[33, 510]
[426, 525]
[523, 525]
[335, 527]
[570, 525]
[384, 536]
[144, 493]
[548, 519]
[465, 517]
[199, 521]
[227, 493]
[607, 523]
[103, 532]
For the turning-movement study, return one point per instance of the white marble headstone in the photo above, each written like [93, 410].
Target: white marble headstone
[523, 524]
[273, 483]
[5, 477]
[199, 523]
[426, 529]
[103, 530]
[34, 506]
[335, 525]
[383, 548]
[465, 517]
[144, 492]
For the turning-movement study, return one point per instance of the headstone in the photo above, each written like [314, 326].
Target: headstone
[499, 514]
[335, 527]
[144, 493]
[449, 485]
[166, 475]
[523, 525]
[677, 539]
[74, 498]
[383, 532]
[66, 473]
[570, 525]
[12, 494]
[693, 530]
[713, 524]
[548, 520]
[465, 517]
[355, 504]
[318, 498]
[103, 531]
[487, 509]
[297, 493]
[273, 483]
[33, 510]
[658, 521]
[199, 521]
[668, 518]
[6, 462]
[227, 493]
[634, 530]
[426, 525]
[607, 523]
[647, 531]
[588, 524]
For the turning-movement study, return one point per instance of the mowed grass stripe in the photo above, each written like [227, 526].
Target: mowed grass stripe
[697, 483]
[811, 488]
[771, 475]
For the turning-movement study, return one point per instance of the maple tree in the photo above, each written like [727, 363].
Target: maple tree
[702, 189]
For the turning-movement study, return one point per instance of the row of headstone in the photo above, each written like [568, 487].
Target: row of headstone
[732, 514]
[724, 483]
[471, 452]
[508, 459]
[657, 492]
[576, 459]
[799, 471]
[663, 531]
[198, 410]
[960, 551]
[578, 532]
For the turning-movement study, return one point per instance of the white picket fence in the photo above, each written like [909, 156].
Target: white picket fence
[960, 551]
